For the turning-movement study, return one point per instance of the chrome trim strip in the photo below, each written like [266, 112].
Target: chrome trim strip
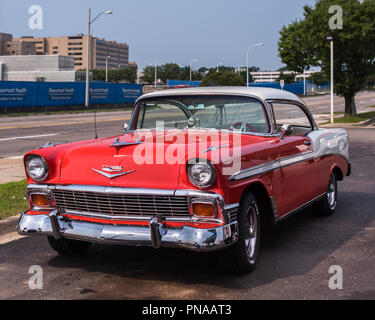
[272, 165]
[301, 207]
[213, 148]
[103, 189]
[197, 193]
[123, 217]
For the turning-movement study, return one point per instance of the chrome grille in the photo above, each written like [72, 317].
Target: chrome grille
[121, 204]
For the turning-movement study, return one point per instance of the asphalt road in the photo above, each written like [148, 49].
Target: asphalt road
[294, 260]
[21, 134]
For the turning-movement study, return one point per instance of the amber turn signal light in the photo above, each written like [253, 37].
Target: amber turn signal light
[39, 199]
[203, 210]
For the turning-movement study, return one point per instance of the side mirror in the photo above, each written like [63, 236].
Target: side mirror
[286, 129]
[125, 127]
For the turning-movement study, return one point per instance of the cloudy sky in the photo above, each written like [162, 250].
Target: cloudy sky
[211, 31]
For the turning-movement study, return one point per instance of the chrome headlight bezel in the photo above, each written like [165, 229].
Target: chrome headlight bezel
[42, 163]
[203, 164]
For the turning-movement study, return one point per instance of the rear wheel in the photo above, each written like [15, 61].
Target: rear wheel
[242, 256]
[327, 205]
[68, 246]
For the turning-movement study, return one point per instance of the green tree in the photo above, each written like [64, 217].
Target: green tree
[225, 78]
[116, 75]
[319, 77]
[304, 44]
[288, 78]
[149, 74]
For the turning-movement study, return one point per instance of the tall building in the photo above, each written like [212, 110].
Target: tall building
[76, 46]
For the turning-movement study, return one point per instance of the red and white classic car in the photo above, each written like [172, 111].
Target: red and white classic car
[196, 168]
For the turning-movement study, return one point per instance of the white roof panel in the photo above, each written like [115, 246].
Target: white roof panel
[260, 92]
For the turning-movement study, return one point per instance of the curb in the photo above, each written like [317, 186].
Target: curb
[9, 225]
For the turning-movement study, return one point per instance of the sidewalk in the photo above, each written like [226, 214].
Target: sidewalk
[11, 169]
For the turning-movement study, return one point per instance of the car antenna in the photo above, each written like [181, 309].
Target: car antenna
[95, 128]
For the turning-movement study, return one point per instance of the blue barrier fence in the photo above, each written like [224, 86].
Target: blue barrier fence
[41, 94]
[178, 83]
[296, 87]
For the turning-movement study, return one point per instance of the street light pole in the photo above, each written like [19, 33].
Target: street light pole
[259, 44]
[106, 68]
[191, 63]
[88, 62]
[330, 38]
[156, 72]
[217, 66]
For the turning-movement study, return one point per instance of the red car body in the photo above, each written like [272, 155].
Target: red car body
[283, 172]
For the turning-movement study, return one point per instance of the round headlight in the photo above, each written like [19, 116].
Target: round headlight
[201, 174]
[36, 168]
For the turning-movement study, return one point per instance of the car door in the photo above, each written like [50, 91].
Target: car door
[297, 164]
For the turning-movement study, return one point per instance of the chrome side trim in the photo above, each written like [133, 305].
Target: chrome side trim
[272, 165]
[301, 207]
[213, 148]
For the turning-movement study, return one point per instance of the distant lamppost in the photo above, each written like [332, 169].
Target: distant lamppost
[106, 68]
[217, 66]
[259, 44]
[191, 63]
[90, 22]
[330, 39]
[156, 72]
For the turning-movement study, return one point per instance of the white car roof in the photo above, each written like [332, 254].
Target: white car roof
[260, 92]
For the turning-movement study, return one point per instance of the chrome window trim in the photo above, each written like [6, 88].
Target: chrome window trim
[264, 104]
[304, 108]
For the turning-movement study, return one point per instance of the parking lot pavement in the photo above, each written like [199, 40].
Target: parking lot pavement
[294, 263]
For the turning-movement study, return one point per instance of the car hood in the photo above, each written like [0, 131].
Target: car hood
[144, 159]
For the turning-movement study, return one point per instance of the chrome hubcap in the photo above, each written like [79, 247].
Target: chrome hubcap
[331, 193]
[250, 241]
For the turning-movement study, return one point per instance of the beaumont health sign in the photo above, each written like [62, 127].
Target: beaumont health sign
[41, 94]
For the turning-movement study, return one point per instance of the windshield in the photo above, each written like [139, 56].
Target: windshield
[219, 112]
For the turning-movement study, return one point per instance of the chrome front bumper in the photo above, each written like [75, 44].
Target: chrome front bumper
[156, 234]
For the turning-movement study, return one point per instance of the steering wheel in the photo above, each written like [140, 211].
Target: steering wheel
[242, 126]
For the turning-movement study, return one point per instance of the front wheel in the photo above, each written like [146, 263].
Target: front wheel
[242, 256]
[327, 205]
[67, 246]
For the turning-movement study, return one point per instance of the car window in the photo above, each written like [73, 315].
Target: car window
[169, 113]
[243, 114]
[293, 115]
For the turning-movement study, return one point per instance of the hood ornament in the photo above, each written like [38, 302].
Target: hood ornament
[112, 172]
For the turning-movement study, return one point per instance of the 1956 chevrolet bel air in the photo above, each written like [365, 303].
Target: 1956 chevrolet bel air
[196, 168]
